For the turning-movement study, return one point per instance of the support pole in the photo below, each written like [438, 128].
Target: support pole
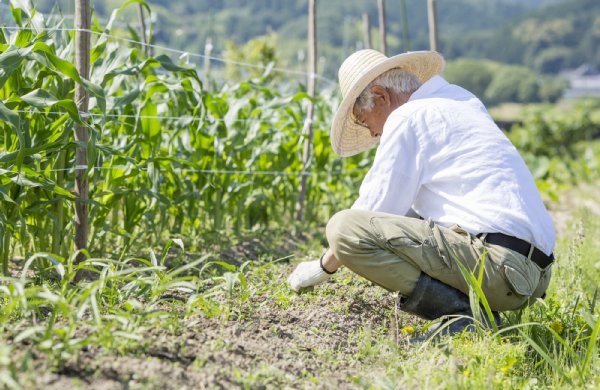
[366, 23]
[82, 64]
[405, 36]
[382, 35]
[208, 46]
[310, 90]
[431, 13]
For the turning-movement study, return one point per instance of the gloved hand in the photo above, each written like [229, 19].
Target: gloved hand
[307, 274]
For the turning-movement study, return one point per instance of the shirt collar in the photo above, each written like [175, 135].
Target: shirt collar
[429, 88]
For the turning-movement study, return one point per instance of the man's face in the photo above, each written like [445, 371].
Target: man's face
[384, 102]
[373, 120]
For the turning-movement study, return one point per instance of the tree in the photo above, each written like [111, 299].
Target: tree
[513, 84]
[257, 51]
[552, 88]
[472, 74]
[552, 60]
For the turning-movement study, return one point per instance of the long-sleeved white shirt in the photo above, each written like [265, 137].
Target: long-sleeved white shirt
[442, 155]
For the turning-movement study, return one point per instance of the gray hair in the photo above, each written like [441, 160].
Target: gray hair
[395, 79]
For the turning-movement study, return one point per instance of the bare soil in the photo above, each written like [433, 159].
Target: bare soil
[267, 345]
[271, 348]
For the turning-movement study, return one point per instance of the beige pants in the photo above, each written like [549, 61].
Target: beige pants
[392, 251]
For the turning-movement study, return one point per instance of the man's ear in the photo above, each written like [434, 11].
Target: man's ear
[382, 95]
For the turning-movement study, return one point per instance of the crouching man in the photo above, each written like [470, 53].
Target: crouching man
[446, 187]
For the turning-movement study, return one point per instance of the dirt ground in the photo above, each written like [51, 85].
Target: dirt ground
[273, 348]
[268, 347]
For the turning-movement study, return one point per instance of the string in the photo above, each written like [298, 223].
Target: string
[176, 51]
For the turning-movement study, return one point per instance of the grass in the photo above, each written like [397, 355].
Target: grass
[208, 323]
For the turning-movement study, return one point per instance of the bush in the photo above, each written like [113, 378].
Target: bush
[496, 83]
[513, 84]
[472, 74]
[552, 60]
[552, 88]
[556, 145]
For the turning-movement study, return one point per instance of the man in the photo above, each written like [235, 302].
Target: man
[446, 188]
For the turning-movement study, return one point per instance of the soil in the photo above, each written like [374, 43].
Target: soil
[272, 348]
[268, 346]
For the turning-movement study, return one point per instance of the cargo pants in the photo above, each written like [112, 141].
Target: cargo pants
[392, 251]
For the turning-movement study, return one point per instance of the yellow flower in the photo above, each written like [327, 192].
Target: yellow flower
[556, 326]
[408, 330]
[504, 369]
[466, 372]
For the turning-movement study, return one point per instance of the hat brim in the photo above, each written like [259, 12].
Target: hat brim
[347, 136]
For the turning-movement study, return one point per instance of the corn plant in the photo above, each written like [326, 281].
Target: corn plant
[37, 115]
[167, 157]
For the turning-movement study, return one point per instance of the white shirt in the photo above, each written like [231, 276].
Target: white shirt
[442, 155]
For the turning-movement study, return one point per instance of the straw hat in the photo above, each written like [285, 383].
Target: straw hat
[347, 136]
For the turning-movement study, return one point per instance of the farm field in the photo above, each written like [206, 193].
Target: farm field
[193, 193]
[244, 328]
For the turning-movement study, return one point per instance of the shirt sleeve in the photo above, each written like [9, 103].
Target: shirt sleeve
[393, 181]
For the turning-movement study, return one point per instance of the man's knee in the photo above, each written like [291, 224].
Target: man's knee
[336, 224]
[343, 225]
[344, 230]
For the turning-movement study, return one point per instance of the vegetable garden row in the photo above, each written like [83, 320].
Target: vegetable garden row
[168, 158]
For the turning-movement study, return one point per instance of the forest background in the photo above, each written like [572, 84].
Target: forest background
[502, 50]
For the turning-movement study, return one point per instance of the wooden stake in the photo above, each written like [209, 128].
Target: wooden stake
[382, 35]
[405, 37]
[310, 90]
[366, 31]
[82, 63]
[431, 13]
[208, 46]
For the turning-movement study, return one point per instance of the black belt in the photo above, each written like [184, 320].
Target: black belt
[520, 246]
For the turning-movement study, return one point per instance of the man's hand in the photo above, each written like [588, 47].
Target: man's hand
[307, 274]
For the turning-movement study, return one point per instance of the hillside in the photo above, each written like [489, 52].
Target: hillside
[547, 36]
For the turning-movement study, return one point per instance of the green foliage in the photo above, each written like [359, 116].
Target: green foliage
[556, 145]
[512, 84]
[473, 74]
[47, 321]
[551, 88]
[37, 115]
[259, 51]
[541, 34]
[552, 59]
[507, 31]
[167, 158]
[562, 330]
[543, 134]
[566, 25]
[495, 83]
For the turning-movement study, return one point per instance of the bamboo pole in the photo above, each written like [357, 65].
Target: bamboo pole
[310, 90]
[82, 63]
[366, 31]
[382, 35]
[405, 36]
[431, 16]
[208, 46]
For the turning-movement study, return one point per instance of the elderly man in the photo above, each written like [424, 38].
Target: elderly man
[446, 187]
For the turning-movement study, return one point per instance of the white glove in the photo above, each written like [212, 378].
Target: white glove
[307, 274]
